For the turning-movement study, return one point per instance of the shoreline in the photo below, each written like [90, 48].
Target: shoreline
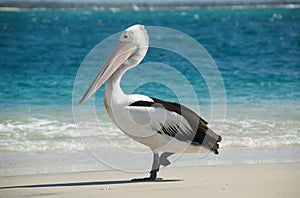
[143, 5]
[261, 180]
[18, 164]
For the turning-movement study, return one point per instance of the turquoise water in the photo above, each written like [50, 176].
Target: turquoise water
[257, 51]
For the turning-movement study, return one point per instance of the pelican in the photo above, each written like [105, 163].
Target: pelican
[165, 127]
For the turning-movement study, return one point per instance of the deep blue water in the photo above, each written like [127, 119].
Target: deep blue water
[257, 51]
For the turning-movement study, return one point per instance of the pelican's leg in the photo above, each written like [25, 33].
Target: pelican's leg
[163, 159]
[155, 167]
[157, 161]
[154, 170]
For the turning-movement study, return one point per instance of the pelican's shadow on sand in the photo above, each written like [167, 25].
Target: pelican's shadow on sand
[92, 183]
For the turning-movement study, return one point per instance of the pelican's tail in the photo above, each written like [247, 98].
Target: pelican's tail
[211, 141]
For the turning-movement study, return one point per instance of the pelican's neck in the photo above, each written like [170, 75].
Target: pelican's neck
[113, 94]
[113, 85]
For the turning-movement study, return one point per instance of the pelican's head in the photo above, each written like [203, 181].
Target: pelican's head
[130, 51]
[135, 34]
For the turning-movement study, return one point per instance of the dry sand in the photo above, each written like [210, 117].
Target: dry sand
[266, 180]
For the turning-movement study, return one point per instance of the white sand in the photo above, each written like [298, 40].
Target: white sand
[267, 180]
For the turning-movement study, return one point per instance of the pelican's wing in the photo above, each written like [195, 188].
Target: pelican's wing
[175, 120]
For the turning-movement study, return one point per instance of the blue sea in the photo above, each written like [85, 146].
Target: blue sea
[256, 51]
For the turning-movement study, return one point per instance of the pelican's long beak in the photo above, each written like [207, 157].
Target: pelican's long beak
[120, 55]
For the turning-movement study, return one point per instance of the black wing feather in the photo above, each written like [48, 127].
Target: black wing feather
[200, 135]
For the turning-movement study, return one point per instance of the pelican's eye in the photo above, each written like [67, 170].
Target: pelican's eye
[126, 36]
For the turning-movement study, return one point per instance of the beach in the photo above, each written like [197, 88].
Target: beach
[264, 180]
[51, 147]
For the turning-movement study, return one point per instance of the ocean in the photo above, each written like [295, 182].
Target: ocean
[256, 51]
